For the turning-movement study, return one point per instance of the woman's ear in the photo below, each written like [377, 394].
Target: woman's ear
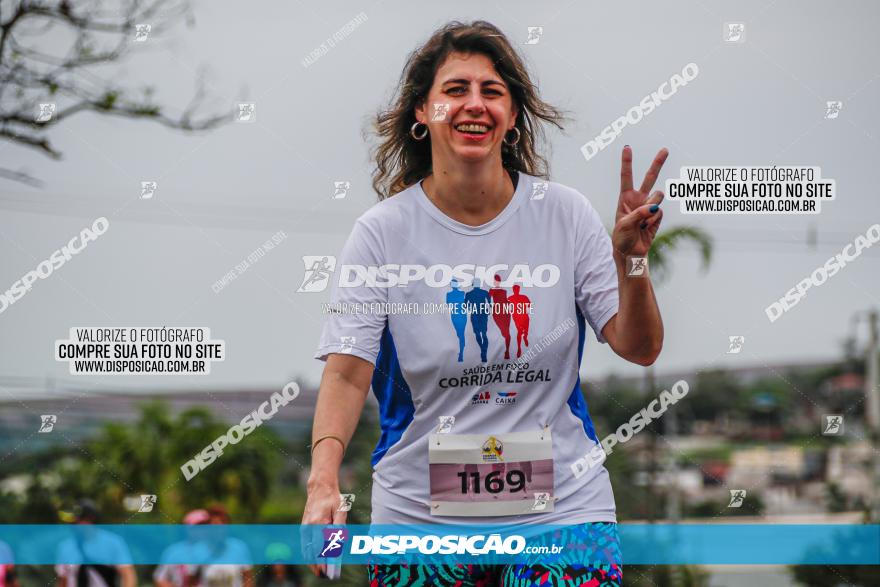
[420, 111]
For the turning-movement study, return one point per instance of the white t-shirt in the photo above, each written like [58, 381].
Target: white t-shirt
[97, 544]
[179, 561]
[554, 260]
[228, 575]
[193, 559]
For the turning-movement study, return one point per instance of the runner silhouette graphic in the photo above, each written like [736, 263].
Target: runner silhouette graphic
[501, 313]
[455, 298]
[477, 302]
[521, 305]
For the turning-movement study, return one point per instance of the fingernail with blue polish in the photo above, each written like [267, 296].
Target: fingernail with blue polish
[644, 225]
[654, 208]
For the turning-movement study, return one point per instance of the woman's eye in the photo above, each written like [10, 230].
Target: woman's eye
[461, 90]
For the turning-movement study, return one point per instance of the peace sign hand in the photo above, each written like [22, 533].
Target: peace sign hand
[638, 216]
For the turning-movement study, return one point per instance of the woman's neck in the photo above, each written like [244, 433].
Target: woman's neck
[472, 197]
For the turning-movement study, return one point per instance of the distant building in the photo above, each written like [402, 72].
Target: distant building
[764, 466]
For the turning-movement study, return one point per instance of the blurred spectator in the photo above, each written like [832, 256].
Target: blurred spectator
[278, 574]
[7, 569]
[226, 575]
[92, 544]
[179, 563]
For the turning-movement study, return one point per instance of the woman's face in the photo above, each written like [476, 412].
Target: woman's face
[467, 89]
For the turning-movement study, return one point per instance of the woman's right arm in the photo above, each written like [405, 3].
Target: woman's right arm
[345, 384]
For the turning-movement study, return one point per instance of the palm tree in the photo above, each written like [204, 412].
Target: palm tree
[660, 263]
[660, 253]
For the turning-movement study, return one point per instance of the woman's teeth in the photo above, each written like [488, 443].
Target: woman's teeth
[473, 128]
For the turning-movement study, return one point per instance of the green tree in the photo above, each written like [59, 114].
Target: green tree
[146, 457]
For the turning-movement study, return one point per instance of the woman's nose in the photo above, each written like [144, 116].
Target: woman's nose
[474, 102]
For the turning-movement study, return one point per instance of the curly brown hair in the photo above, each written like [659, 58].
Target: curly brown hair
[402, 161]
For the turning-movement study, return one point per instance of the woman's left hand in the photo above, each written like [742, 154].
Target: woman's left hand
[635, 224]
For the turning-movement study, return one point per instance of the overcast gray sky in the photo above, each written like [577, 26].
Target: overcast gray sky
[220, 195]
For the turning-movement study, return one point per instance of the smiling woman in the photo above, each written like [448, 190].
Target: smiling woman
[491, 69]
[461, 185]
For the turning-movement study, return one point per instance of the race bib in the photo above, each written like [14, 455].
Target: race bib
[491, 475]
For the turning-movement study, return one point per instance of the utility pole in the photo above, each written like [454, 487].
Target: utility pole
[673, 500]
[872, 408]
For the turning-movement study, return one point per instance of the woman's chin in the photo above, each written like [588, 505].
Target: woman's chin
[473, 154]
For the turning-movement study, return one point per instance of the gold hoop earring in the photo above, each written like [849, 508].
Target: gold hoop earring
[412, 131]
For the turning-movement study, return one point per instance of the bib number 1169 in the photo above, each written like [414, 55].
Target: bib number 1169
[493, 482]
